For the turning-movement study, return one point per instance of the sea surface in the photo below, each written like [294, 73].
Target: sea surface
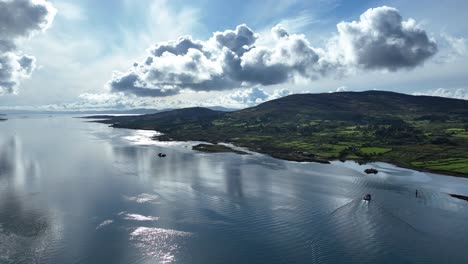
[72, 191]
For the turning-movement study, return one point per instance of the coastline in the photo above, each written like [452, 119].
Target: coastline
[217, 148]
[439, 172]
[298, 156]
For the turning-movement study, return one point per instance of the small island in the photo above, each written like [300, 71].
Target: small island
[461, 197]
[217, 148]
[371, 171]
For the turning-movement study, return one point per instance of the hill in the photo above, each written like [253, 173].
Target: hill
[421, 132]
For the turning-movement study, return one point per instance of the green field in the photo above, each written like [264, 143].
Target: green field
[452, 164]
[375, 150]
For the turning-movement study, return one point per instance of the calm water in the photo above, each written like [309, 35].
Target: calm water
[77, 192]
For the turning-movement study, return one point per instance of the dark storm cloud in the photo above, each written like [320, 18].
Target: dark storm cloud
[19, 19]
[381, 39]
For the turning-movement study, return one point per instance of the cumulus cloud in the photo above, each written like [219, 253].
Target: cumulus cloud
[19, 19]
[342, 89]
[228, 60]
[459, 93]
[248, 97]
[13, 68]
[279, 31]
[380, 40]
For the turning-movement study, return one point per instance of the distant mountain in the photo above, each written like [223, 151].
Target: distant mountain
[139, 111]
[223, 109]
[84, 112]
[417, 131]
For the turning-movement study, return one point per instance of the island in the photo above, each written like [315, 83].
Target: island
[419, 132]
[371, 171]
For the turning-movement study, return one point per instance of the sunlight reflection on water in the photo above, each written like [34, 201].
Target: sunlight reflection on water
[142, 137]
[144, 198]
[158, 243]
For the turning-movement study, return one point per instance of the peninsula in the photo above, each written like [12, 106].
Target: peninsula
[419, 132]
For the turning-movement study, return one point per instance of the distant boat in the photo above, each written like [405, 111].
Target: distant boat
[371, 170]
[161, 155]
[367, 197]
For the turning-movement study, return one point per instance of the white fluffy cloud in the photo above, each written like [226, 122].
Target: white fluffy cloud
[341, 89]
[19, 19]
[13, 68]
[459, 93]
[228, 60]
[240, 98]
[247, 97]
[380, 40]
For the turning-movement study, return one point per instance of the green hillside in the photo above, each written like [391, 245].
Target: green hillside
[415, 131]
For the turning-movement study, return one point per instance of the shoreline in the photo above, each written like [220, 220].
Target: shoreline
[296, 157]
[439, 172]
[217, 148]
[291, 155]
[300, 157]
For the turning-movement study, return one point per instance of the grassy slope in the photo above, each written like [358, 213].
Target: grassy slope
[414, 131]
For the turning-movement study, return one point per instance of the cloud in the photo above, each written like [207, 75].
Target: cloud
[451, 48]
[238, 41]
[19, 19]
[13, 68]
[247, 97]
[179, 47]
[342, 89]
[380, 40]
[459, 93]
[70, 11]
[240, 98]
[228, 60]
[279, 32]
[22, 18]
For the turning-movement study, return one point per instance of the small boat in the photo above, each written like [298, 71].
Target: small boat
[367, 197]
[161, 155]
[371, 170]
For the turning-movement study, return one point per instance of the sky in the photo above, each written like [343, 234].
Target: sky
[123, 54]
